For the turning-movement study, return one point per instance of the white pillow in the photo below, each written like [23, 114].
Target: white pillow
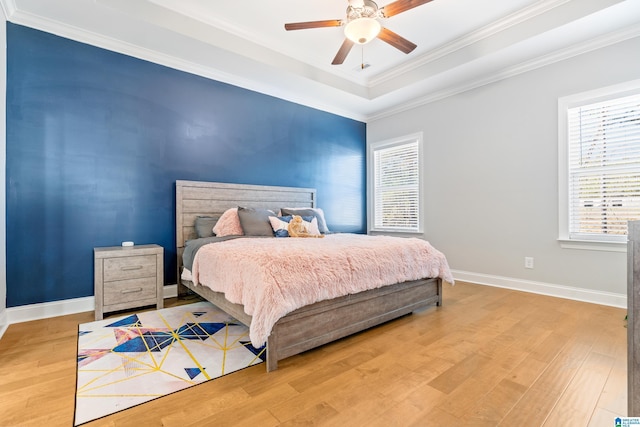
[280, 225]
[316, 212]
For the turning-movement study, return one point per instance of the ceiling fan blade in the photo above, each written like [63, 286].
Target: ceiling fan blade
[343, 52]
[312, 24]
[396, 41]
[400, 6]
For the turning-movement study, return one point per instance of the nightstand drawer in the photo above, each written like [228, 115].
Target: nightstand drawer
[130, 290]
[133, 267]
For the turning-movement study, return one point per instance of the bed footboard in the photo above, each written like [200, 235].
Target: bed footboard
[326, 321]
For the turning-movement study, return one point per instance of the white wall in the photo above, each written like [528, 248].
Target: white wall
[491, 159]
[3, 150]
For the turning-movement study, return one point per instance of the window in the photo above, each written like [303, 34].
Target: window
[395, 186]
[599, 163]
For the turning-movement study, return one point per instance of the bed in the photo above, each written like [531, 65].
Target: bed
[311, 325]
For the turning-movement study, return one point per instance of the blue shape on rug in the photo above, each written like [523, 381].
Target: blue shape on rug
[89, 355]
[127, 321]
[193, 372]
[94, 353]
[154, 341]
[199, 331]
[157, 340]
[257, 351]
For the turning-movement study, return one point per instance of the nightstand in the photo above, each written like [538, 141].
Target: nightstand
[128, 277]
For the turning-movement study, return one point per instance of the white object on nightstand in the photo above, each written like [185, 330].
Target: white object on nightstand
[128, 277]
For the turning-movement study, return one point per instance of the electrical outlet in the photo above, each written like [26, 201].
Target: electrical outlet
[528, 262]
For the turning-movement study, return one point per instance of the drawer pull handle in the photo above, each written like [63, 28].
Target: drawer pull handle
[133, 267]
[131, 291]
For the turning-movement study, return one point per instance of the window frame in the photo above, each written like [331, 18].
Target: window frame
[389, 143]
[564, 104]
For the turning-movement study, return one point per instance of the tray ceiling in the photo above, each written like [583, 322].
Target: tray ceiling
[461, 44]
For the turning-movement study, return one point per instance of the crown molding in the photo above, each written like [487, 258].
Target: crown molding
[468, 40]
[551, 58]
[260, 40]
[511, 20]
[129, 49]
[8, 8]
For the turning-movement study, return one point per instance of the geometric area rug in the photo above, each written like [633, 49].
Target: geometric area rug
[132, 359]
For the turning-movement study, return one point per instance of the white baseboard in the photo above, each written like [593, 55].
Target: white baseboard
[4, 322]
[78, 305]
[170, 291]
[550, 289]
[26, 313]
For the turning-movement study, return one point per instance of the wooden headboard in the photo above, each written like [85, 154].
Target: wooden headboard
[198, 198]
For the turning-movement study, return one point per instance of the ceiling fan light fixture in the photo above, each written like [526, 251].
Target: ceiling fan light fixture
[362, 30]
[361, 25]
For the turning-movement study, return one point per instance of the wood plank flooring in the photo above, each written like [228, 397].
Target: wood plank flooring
[487, 357]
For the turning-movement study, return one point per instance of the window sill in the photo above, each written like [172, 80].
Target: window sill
[383, 230]
[593, 245]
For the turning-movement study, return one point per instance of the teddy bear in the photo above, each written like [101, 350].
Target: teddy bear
[297, 228]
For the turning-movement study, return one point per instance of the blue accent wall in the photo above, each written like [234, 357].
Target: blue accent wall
[96, 141]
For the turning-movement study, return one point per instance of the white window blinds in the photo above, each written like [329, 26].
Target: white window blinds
[396, 190]
[604, 168]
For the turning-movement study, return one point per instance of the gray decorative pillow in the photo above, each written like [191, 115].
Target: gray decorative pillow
[204, 225]
[255, 221]
[317, 212]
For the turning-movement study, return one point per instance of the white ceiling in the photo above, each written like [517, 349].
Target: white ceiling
[461, 43]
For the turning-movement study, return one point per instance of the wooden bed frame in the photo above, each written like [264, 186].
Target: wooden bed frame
[310, 326]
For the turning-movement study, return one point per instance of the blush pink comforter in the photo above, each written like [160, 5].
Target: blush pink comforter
[273, 277]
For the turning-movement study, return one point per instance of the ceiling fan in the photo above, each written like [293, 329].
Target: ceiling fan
[362, 25]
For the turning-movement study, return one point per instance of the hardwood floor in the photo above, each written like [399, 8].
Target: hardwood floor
[487, 357]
